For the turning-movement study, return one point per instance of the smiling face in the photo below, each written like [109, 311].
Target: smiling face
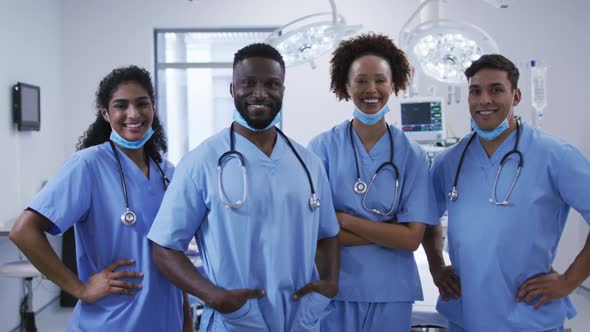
[492, 98]
[369, 83]
[257, 88]
[130, 111]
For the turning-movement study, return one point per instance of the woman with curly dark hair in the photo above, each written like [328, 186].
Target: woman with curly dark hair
[381, 190]
[110, 191]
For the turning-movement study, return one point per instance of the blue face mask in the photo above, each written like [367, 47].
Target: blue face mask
[131, 145]
[237, 117]
[492, 134]
[370, 119]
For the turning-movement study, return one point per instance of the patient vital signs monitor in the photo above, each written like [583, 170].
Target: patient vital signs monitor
[423, 119]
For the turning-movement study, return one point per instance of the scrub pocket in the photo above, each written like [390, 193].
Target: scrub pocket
[551, 315]
[247, 318]
[452, 310]
[312, 309]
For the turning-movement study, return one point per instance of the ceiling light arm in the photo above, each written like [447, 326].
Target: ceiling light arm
[334, 12]
[401, 37]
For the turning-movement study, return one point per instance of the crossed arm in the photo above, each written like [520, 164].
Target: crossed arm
[359, 231]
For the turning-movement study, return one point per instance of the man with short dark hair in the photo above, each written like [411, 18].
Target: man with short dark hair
[507, 188]
[252, 199]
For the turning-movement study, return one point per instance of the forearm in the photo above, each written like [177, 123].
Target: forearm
[29, 236]
[187, 321]
[579, 270]
[177, 268]
[433, 246]
[390, 235]
[328, 259]
[347, 238]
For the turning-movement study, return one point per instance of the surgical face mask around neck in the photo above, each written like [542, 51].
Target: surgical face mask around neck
[131, 145]
[237, 117]
[370, 119]
[491, 134]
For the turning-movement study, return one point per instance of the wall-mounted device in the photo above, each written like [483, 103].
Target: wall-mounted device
[26, 104]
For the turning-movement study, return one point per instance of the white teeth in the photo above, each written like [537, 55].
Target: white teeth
[486, 112]
[371, 101]
[137, 125]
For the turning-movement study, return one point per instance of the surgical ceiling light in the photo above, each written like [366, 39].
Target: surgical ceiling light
[444, 48]
[307, 38]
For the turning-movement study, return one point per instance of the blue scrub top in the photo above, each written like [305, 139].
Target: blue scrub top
[372, 273]
[269, 243]
[87, 193]
[495, 249]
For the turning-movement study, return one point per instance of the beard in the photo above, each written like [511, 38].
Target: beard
[257, 123]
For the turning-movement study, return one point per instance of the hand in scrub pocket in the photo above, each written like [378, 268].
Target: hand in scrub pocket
[239, 309]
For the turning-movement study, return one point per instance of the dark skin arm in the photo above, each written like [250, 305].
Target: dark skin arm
[347, 238]
[444, 276]
[328, 264]
[177, 268]
[405, 236]
[187, 321]
[553, 286]
[29, 236]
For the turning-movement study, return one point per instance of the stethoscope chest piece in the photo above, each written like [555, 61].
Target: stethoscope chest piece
[453, 194]
[128, 218]
[360, 187]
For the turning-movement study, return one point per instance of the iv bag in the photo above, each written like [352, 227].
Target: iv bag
[539, 87]
[538, 92]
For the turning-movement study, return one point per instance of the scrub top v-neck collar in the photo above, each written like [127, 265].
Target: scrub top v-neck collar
[376, 152]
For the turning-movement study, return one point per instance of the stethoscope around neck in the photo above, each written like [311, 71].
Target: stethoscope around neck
[128, 217]
[360, 187]
[453, 194]
[314, 201]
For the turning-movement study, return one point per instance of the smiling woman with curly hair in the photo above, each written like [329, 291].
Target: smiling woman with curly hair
[381, 190]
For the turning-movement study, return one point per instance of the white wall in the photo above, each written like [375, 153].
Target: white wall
[30, 39]
[548, 30]
[98, 35]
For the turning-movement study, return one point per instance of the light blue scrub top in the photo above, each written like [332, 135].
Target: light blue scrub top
[495, 249]
[372, 273]
[87, 193]
[269, 243]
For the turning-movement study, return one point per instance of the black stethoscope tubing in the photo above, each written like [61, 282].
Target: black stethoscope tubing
[454, 194]
[360, 187]
[128, 217]
[314, 201]
[356, 161]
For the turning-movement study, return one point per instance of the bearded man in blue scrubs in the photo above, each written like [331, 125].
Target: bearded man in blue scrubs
[260, 235]
[504, 226]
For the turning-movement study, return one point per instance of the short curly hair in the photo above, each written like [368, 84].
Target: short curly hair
[367, 44]
[100, 130]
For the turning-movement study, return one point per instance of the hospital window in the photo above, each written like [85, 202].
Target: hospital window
[193, 74]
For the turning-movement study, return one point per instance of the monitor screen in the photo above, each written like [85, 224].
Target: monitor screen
[423, 119]
[27, 106]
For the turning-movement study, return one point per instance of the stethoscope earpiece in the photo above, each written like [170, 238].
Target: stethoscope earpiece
[314, 201]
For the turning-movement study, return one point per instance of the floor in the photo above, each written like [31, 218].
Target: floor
[55, 318]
